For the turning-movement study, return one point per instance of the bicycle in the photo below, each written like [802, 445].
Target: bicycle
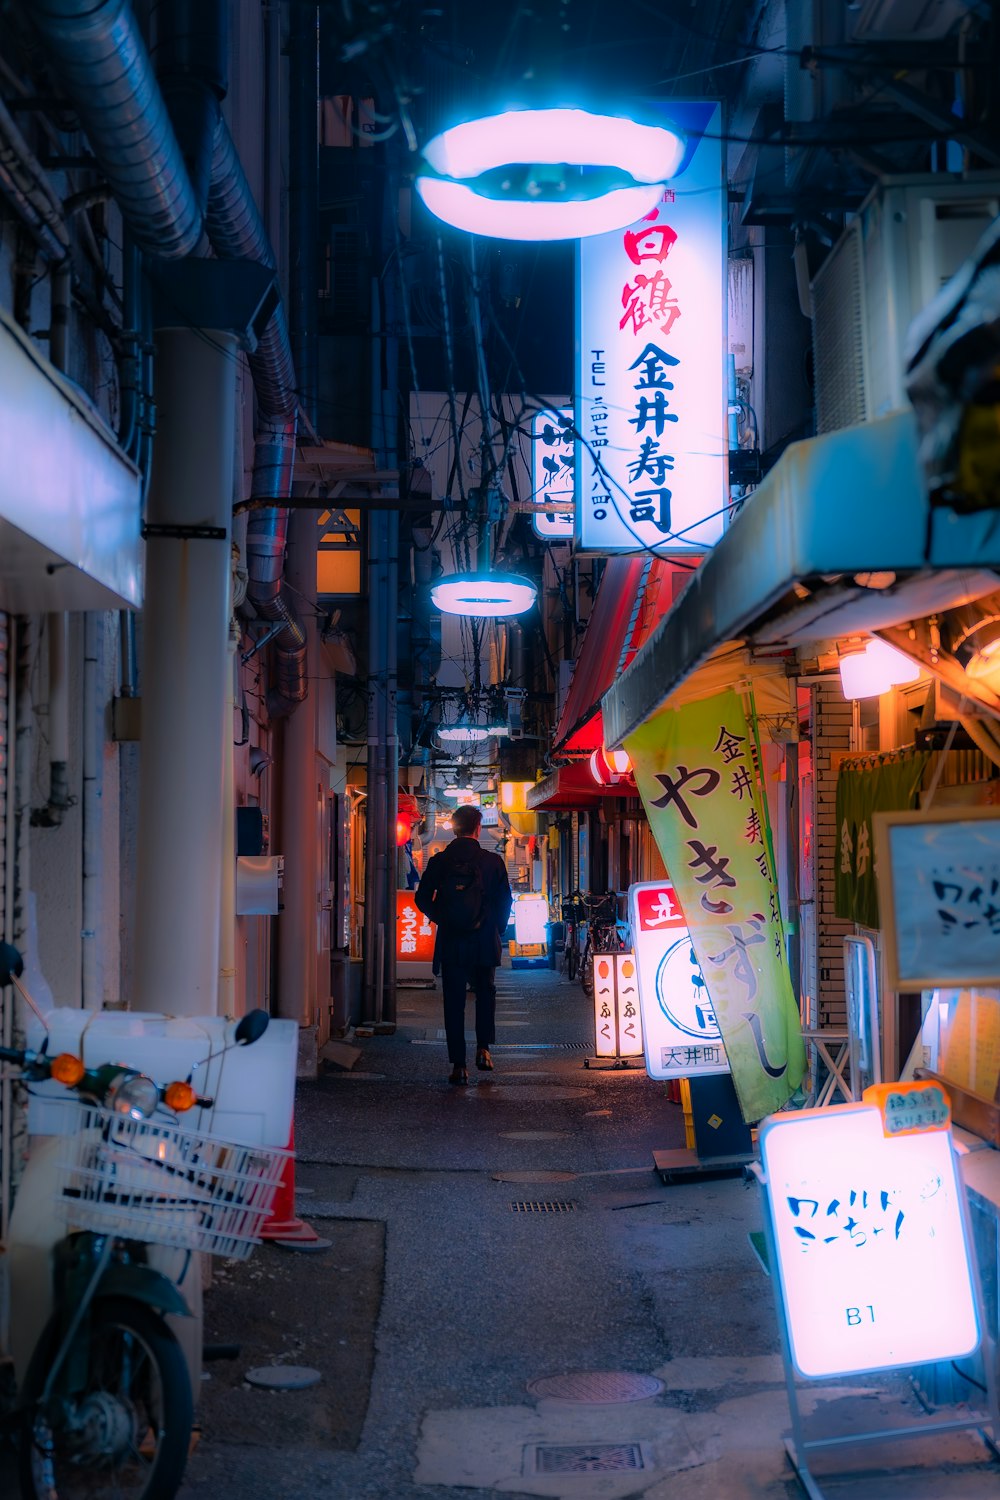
[572, 910]
[605, 934]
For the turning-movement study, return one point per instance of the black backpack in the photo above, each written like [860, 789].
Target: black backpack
[460, 897]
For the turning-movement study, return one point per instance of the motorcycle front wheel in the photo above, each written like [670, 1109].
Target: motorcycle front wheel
[125, 1435]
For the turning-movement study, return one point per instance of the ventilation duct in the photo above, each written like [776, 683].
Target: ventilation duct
[102, 62]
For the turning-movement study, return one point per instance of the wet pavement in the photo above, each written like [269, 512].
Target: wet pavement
[488, 1236]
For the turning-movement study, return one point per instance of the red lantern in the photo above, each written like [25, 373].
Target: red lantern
[404, 832]
[610, 767]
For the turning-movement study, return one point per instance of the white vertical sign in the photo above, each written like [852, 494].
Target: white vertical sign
[681, 1035]
[617, 1018]
[553, 460]
[650, 401]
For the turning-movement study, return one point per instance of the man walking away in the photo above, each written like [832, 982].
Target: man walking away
[465, 891]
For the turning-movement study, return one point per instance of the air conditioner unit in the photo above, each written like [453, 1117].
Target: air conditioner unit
[908, 238]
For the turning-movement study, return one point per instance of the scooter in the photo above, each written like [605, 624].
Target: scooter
[103, 1271]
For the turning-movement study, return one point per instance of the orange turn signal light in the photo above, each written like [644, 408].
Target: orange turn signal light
[179, 1097]
[67, 1069]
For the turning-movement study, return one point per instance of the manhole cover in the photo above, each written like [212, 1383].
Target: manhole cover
[580, 1458]
[283, 1377]
[540, 1093]
[534, 1176]
[595, 1387]
[533, 1135]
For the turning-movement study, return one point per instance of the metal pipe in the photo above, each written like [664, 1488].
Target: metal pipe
[99, 54]
[185, 651]
[29, 192]
[92, 965]
[303, 186]
[54, 810]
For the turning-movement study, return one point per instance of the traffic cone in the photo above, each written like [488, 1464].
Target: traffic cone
[284, 1223]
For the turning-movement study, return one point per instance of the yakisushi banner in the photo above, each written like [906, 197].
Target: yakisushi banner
[697, 771]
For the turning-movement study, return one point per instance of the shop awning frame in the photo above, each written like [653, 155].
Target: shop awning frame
[833, 509]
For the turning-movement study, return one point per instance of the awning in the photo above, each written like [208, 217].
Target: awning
[70, 500]
[634, 595]
[840, 538]
[573, 787]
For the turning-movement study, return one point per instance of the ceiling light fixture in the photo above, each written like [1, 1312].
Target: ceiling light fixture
[483, 595]
[873, 671]
[547, 174]
[975, 639]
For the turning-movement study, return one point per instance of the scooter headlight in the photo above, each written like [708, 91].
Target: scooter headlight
[134, 1095]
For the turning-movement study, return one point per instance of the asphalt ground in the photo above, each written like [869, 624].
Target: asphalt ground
[484, 1237]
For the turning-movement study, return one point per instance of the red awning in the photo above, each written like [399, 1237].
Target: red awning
[634, 594]
[573, 786]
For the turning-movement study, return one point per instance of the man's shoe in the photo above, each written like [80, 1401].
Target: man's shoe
[483, 1060]
[459, 1074]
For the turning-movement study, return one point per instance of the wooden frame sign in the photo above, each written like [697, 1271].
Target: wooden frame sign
[939, 896]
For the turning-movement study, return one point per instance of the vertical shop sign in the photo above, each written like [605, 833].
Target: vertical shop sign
[414, 933]
[553, 461]
[617, 1017]
[680, 1032]
[697, 774]
[650, 405]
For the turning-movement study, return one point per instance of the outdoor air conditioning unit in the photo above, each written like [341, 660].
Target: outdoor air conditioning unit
[908, 238]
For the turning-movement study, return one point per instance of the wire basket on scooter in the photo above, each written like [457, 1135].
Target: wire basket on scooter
[148, 1180]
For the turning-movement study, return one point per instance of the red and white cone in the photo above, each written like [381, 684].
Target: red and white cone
[284, 1224]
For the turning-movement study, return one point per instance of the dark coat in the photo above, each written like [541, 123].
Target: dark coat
[484, 945]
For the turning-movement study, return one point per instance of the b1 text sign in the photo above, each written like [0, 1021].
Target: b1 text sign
[650, 404]
[861, 1221]
[679, 1029]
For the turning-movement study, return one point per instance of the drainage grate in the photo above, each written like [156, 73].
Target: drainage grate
[580, 1458]
[555, 1206]
[596, 1387]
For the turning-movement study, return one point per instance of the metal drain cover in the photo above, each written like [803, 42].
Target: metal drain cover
[534, 1176]
[583, 1458]
[595, 1387]
[533, 1135]
[553, 1206]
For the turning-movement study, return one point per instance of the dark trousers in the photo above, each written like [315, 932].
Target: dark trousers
[458, 970]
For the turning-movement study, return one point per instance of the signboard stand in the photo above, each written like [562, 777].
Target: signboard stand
[722, 1139]
[618, 1038]
[939, 1245]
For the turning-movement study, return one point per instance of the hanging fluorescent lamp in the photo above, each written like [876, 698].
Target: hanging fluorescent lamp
[876, 669]
[547, 174]
[466, 731]
[483, 595]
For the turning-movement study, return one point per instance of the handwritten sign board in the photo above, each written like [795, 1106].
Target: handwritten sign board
[553, 460]
[939, 895]
[865, 1206]
[681, 1035]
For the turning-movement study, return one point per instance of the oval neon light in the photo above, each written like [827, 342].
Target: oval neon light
[616, 171]
[483, 596]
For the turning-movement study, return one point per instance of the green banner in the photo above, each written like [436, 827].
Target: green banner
[889, 783]
[697, 775]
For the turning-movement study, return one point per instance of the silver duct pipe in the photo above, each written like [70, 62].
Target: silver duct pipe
[101, 59]
[103, 63]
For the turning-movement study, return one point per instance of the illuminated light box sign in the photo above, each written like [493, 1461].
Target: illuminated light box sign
[680, 1033]
[553, 461]
[531, 918]
[650, 393]
[866, 1209]
[488, 808]
[617, 1020]
[414, 933]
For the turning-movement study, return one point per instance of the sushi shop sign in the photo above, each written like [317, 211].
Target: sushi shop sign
[680, 1031]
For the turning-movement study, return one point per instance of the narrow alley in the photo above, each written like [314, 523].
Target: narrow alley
[510, 1232]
